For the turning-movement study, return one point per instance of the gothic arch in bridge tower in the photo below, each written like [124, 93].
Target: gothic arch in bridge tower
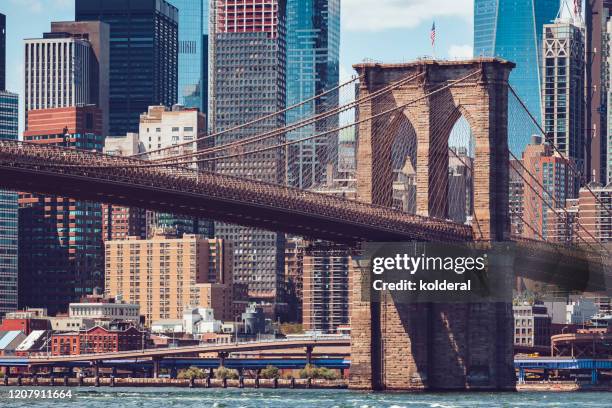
[423, 345]
[439, 94]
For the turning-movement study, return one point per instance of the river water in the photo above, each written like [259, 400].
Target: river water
[287, 398]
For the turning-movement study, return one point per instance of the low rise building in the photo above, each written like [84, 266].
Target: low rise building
[97, 340]
[67, 323]
[9, 341]
[531, 325]
[26, 321]
[38, 342]
[580, 311]
[104, 308]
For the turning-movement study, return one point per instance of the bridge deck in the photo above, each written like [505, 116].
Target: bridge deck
[97, 177]
[190, 350]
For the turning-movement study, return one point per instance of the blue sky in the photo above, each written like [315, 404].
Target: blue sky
[382, 30]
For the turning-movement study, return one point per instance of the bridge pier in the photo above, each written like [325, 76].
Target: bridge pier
[309, 355]
[96, 373]
[416, 346]
[156, 367]
[222, 356]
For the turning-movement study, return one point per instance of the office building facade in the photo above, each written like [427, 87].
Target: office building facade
[60, 239]
[594, 214]
[512, 30]
[97, 34]
[563, 98]
[193, 53]
[9, 207]
[161, 127]
[67, 83]
[597, 15]
[2, 52]
[325, 287]
[120, 222]
[313, 60]
[248, 82]
[532, 325]
[166, 275]
[143, 56]
[555, 183]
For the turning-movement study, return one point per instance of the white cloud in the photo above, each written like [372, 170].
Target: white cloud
[378, 15]
[34, 6]
[459, 52]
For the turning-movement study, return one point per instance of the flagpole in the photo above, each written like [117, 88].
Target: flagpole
[432, 36]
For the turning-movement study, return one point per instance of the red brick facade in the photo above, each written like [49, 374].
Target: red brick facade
[96, 340]
[25, 325]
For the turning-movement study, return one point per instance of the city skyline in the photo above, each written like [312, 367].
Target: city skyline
[363, 35]
[272, 201]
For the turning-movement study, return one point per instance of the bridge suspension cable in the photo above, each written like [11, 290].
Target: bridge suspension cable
[578, 173]
[181, 161]
[554, 200]
[250, 123]
[293, 126]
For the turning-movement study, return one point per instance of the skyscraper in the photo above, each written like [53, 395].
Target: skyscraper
[143, 56]
[555, 185]
[325, 286]
[193, 53]
[512, 30]
[8, 212]
[597, 15]
[9, 120]
[57, 72]
[161, 128]
[2, 52]
[60, 239]
[248, 82]
[97, 34]
[563, 98]
[313, 54]
[120, 222]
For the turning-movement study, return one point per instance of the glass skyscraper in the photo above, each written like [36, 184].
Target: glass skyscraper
[8, 212]
[2, 52]
[313, 54]
[248, 50]
[512, 29]
[193, 53]
[143, 56]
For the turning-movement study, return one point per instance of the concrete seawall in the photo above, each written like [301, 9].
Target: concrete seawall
[167, 382]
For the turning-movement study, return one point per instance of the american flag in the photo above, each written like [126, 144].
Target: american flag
[432, 35]
[577, 7]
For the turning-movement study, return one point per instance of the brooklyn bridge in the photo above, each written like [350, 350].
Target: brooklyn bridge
[404, 116]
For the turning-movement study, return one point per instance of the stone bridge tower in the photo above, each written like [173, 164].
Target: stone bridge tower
[426, 345]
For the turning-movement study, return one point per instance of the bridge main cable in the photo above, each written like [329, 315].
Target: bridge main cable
[291, 127]
[243, 125]
[318, 135]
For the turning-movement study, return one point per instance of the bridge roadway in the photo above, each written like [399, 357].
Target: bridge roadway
[160, 353]
[93, 176]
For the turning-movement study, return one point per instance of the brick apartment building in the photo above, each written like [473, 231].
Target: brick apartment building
[97, 340]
